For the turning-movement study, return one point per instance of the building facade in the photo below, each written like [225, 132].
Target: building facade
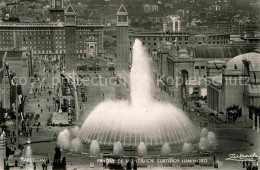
[62, 36]
[153, 40]
[20, 64]
[188, 67]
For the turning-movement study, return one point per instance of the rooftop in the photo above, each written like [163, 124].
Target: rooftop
[210, 51]
[37, 25]
[253, 58]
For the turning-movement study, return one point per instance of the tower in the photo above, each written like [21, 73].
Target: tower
[2, 151]
[122, 25]
[70, 37]
[57, 11]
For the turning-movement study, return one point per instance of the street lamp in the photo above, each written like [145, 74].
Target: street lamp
[73, 87]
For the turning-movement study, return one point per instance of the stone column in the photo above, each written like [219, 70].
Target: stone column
[257, 123]
[253, 120]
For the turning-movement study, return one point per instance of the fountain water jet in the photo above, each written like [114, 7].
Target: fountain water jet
[187, 148]
[166, 149]
[203, 145]
[141, 149]
[75, 131]
[28, 155]
[140, 119]
[64, 139]
[76, 145]
[118, 148]
[94, 149]
[204, 133]
[212, 140]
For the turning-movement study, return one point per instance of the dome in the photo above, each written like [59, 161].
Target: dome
[237, 63]
[183, 53]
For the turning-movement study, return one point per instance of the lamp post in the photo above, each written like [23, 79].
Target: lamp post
[73, 87]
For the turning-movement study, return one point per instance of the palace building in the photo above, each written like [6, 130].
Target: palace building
[154, 40]
[192, 65]
[62, 36]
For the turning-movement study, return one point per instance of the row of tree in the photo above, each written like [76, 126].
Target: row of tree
[235, 111]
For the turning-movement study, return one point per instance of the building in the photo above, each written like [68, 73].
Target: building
[237, 84]
[122, 57]
[177, 65]
[57, 11]
[172, 24]
[62, 36]
[220, 5]
[150, 7]
[20, 64]
[234, 79]
[155, 40]
[152, 40]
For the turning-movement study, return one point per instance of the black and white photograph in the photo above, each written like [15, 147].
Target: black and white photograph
[129, 84]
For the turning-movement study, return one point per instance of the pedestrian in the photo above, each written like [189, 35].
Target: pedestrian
[128, 165]
[135, 165]
[34, 165]
[41, 110]
[47, 99]
[38, 105]
[30, 131]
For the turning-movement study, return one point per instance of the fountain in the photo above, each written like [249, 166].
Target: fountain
[64, 139]
[28, 152]
[141, 149]
[76, 145]
[75, 131]
[28, 156]
[141, 119]
[187, 149]
[212, 140]
[94, 149]
[166, 149]
[203, 145]
[204, 133]
[118, 148]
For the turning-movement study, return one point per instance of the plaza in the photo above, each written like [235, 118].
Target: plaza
[160, 101]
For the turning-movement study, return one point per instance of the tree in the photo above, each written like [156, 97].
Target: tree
[254, 110]
[2, 115]
[233, 112]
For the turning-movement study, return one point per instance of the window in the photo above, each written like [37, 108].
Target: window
[202, 67]
[197, 67]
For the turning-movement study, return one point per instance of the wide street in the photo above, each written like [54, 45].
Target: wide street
[230, 140]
